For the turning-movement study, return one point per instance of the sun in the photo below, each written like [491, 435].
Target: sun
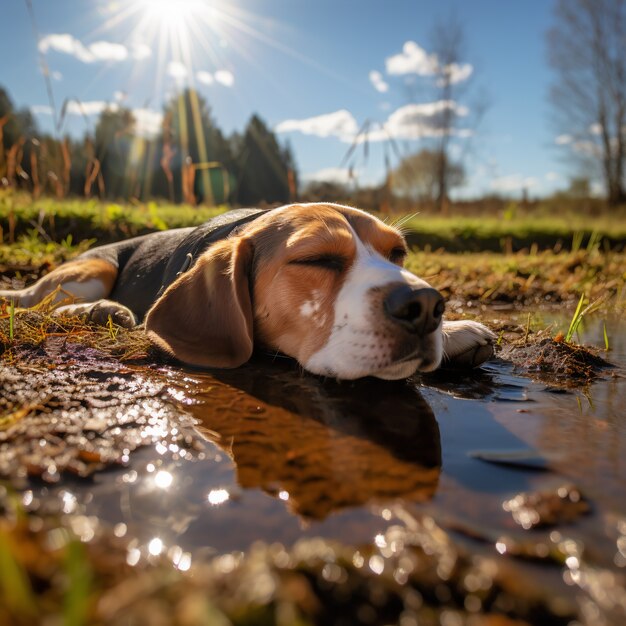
[173, 12]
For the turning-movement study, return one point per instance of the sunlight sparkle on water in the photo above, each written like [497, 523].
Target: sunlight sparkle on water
[155, 547]
[377, 564]
[163, 479]
[218, 496]
[133, 556]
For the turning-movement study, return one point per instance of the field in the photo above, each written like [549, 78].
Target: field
[522, 259]
[289, 450]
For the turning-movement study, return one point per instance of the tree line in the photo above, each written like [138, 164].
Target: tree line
[189, 160]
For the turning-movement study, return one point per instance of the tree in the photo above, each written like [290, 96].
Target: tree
[447, 107]
[19, 123]
[418, 176]
[113, 140]
[265, 167]
[587, 50]
[17, 130]
[197, 140]
[449, 43]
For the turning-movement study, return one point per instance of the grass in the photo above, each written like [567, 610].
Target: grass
[493, 232]
[55, 220]
[577, 318]
[29, 329]
[12, 321]
[524, 279]
[529, 277]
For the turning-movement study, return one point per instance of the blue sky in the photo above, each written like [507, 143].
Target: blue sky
[304, 66]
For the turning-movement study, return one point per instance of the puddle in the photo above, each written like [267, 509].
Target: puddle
[287, 456]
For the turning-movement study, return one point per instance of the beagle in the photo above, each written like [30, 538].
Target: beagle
[322, 283]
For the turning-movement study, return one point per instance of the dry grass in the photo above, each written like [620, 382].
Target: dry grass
[525, 279]
[26, 331]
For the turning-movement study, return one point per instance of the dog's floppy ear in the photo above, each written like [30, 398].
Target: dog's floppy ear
[205, 316]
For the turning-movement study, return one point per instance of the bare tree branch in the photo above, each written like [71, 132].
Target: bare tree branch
[587, 50]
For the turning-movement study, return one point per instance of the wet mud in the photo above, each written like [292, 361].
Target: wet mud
[71, 409]
[555, 360]
[265, 495]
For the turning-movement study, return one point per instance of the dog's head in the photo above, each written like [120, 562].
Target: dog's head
[322, 283]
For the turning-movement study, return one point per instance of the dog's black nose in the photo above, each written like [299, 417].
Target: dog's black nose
[417, 310]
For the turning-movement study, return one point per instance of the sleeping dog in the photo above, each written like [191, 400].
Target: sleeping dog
[322, 283]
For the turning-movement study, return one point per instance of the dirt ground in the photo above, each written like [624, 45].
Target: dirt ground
[78, 399]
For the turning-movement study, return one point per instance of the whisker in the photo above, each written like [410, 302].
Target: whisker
[404, 219]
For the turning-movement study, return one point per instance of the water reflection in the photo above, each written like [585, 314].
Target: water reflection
[320, 445]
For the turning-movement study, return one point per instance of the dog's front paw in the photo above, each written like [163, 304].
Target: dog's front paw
[119, 314]
[99, 312]
[466, 344]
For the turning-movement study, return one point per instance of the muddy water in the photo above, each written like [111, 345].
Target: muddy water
[290, 455]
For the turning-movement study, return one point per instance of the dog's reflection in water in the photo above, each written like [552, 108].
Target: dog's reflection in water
[320, 445]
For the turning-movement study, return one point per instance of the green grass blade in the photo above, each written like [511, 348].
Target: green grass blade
[79, 579]
[11, 320]
[576, 319]
[15, 587]
[606, 337]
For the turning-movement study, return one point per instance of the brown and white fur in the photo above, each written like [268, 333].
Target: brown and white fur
[322, 283]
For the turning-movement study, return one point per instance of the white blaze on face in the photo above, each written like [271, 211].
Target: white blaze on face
[312, 309]
[360, 343]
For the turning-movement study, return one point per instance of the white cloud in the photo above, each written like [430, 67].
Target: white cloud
[140, 51]
[412, 121]
[412, 60]
[416, 121]
[56, 75]
[107, 51]
[339, 175]
[73, 107]
[93, 107]
[148, 123]
[119, 96]
[94, 52]
[205, 78]
[512, 183]
[596, 129]
[338, 124]
[415, 60]
[177, 70]
[65, 44]
[376, 78]
[41, 109]
[431, 109]
[225, 77]
[455, 73]
[553, 176]
[563, 140]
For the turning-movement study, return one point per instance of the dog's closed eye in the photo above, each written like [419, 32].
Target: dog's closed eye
[332, 262]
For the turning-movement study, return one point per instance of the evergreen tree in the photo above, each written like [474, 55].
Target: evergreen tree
[264, 166]
[18, 124]
[113, 138]
[196, 138]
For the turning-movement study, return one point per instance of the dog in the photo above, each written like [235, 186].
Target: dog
[322, 283]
